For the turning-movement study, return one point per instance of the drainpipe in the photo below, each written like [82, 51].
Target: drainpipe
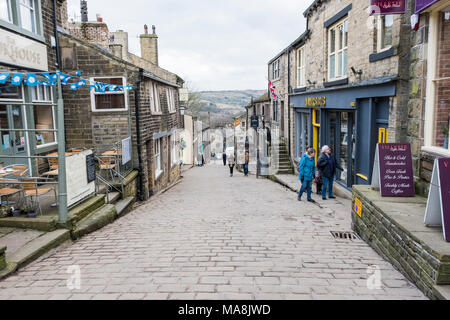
[289, 101]
[55, 25]
[138, 134]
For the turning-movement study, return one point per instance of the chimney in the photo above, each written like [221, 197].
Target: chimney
[121, 38]
[149, 46]
[99, 18]
[84, 11]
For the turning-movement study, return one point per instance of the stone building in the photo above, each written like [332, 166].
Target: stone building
[149, 114]
[348, 84]
[27, 38]
[429, 95]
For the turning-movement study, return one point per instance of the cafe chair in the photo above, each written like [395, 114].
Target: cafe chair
[53, 166]
[8, 192]
[31, 189]
[107, 164]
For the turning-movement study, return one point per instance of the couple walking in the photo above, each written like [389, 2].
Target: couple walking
[327, 166]
[232, 163]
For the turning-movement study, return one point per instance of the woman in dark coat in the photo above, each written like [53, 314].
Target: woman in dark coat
[327, 165]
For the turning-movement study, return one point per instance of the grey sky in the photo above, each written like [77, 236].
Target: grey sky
[214, 45]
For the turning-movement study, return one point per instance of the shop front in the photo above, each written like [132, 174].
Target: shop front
[351, 120]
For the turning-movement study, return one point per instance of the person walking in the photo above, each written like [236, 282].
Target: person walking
[247, 160]
[224, 158]
[231, 163]
[327, 165]
[306, 171]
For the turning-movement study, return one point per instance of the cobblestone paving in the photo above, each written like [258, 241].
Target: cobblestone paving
[216, 237]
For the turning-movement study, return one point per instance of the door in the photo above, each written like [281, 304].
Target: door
[13, 142]
[302, 133]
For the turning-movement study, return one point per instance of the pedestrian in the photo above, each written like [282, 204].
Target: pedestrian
[327, 165]
[199, 160]
[247, 160]
[306, 172]
[224, 158]
[231, 163]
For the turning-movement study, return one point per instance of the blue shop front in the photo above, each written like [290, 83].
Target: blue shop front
[350, 119]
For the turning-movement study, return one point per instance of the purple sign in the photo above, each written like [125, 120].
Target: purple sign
[396, 172]
[378, 7]
[444, 178]
[423, 4]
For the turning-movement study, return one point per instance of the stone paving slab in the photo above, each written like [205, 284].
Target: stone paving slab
[216, 237]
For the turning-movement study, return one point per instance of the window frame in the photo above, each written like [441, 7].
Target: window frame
[276, 71]
[301, 67]
[381, 32]
[431, 84]
[44, 103]
[16, 20]
[124, 92]
[336, 52]
[170, 95]
[154, 95]
[157, 157]
[10, 13]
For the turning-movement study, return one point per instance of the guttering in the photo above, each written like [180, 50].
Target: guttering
[55, 27]
[153, 77]
[138, 134]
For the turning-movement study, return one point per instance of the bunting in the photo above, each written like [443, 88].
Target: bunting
[51, 79]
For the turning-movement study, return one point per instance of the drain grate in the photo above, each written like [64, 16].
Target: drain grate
[346, 235]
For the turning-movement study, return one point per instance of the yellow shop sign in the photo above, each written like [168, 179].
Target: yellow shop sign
[316, 102]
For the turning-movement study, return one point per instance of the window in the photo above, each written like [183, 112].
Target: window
[158, 166]
[154, 98]
[276, 69]
[44, 116]
[22, 13]
[173, 149]
[301, 68]
[275, 111]
[437, 107]
[109, 100]
[337, 50]
[5, 10]
[170, 94]
[384, 39]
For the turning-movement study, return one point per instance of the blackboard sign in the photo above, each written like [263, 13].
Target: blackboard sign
[90, 167]
[254, 122]
[392, 170]
[438, 204]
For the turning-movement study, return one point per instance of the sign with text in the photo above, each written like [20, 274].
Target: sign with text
[392, 170]
[381, 7]
[438, 204]
[358, 207]
[22, 52]
[423, 4]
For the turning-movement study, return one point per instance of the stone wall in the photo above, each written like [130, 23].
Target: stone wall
[92, 32]
[282, 90]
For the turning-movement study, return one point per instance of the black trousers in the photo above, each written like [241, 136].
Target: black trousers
[231, 168]
[224, 161]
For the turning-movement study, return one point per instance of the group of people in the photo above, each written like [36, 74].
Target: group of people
[323, 175]
[232, 162]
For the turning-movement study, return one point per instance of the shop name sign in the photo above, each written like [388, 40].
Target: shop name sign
[378, 7]
[438, 204]
[392, 170]
[23, 52]
[423, 4]
[316, 102]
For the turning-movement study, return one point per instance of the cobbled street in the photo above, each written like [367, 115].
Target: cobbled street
[216, 237]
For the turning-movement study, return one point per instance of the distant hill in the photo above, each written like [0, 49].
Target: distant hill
[224, 105]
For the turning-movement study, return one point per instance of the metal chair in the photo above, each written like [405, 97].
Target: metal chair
[107, 163]
[53, 166]
[31, 189]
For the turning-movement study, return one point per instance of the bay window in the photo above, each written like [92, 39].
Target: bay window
[337, 50]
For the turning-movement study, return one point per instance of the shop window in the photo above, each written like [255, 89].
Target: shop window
[24, 14]
[384, 32]
[154, 98]
[158, 164]
[301, 75]
[44, 116]
[337, 50]
[109, 100]
[437, 118]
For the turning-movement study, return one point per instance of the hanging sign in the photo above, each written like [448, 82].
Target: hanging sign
[438, 204]
[382, 7]
[423, 4]
[392, 170]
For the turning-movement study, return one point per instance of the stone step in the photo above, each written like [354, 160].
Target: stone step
[96, 220]
[112, 197]
[124, 206]
[37, 247]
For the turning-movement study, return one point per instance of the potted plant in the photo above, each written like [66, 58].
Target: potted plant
[30, 210]
[445, 133]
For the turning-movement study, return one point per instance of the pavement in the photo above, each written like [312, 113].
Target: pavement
[216, 237]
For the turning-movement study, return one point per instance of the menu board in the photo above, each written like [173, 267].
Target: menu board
[438, 204]
[393, 172]
[90, 167]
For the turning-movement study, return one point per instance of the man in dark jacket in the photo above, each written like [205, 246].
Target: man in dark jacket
[224, 158]
[327, 165]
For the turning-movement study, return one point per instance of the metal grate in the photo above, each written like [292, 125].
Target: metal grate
[346, 235]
